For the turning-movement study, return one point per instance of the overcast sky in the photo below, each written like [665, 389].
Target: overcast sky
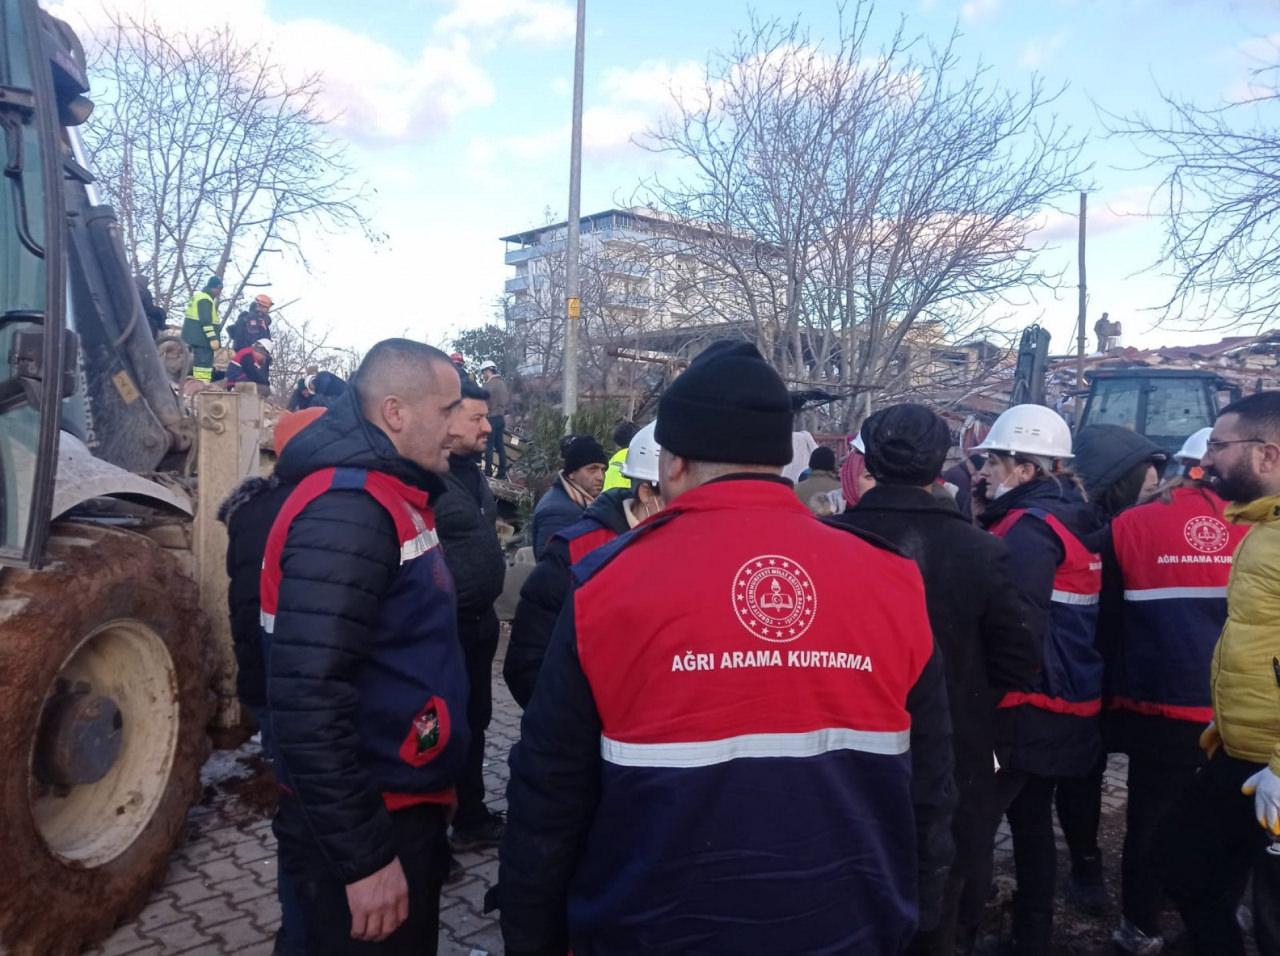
[457, 116]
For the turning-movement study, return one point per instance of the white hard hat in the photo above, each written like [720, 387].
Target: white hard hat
[1029, 430]
[857, 444]
[1195, 447]
[642, 455]
[485, 366]
[265, 344]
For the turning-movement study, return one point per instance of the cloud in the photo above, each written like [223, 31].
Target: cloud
[1040, 50]
[528, 21]
[1121, 210]
[634, 101]
[653, 82]
[607, 133]
[1256, 57]
[371, 92]
[979, 9]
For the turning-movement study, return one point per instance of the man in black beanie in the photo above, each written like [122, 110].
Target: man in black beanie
[739, 740]
[820, 488]
[576, 485]
[979, 627]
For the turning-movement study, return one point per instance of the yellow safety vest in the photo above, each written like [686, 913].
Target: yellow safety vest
[613, 476]
[211, 332]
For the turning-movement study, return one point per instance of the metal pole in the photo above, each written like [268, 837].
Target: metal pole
[1081, 314]
[572, 301]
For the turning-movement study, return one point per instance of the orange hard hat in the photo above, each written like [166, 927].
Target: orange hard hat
[290, 424]
[264, 300]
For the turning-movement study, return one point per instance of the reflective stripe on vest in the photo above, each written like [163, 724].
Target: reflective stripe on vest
[1070, 681]
[193, 313]
[1174, 559]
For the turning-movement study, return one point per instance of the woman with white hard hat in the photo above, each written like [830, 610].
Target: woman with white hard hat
[1049, 730]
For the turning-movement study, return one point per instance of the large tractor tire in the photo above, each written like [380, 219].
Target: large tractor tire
[104, 701]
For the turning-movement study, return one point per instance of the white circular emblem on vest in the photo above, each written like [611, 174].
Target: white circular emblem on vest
[774, 598]
[1206, 534]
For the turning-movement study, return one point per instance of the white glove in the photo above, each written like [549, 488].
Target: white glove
[1265, 788]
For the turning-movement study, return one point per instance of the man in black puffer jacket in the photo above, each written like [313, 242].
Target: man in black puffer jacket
[466, 518]
[366, 686]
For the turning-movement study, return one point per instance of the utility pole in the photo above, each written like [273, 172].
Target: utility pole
[572, 299]
[1081, 314]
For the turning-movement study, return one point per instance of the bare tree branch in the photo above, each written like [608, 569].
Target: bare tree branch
[1220, 198]
[850, 203]
[213, 158]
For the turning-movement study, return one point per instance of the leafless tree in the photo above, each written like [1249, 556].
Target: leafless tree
[212, 157]
[832, 198]
[1220, 198]
[299, 350]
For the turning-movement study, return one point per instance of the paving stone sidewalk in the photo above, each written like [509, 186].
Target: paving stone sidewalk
[219, 893]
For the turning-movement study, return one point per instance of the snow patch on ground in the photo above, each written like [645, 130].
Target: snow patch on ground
[224, 765]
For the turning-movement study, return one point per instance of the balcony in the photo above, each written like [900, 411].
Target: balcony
[520, 254]
[524, 284]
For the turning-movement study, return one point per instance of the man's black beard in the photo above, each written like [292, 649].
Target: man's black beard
[1237, 487]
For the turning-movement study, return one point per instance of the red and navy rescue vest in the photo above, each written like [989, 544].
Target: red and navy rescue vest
[1070, 679]
[1174, 560]
[412, 685]
[750, 667]
[583, 537]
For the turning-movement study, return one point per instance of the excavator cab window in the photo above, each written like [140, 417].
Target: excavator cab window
[32, 278]
[1117, 402]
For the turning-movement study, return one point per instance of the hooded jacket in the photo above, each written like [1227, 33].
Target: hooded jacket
[1244, 677]
[465, 517]
[366, 687]
[1055, 728]
[542, 596]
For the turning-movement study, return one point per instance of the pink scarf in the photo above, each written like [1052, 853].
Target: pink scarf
[850, 472]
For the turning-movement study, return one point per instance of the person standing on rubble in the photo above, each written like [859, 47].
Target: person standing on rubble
[253, 323]
[202, 329]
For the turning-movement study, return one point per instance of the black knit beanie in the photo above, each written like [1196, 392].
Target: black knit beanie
[822, 459]
[728, 406]
[906, 445]
[580, 450]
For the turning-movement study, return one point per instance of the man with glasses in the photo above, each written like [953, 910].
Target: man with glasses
[1226, 824]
